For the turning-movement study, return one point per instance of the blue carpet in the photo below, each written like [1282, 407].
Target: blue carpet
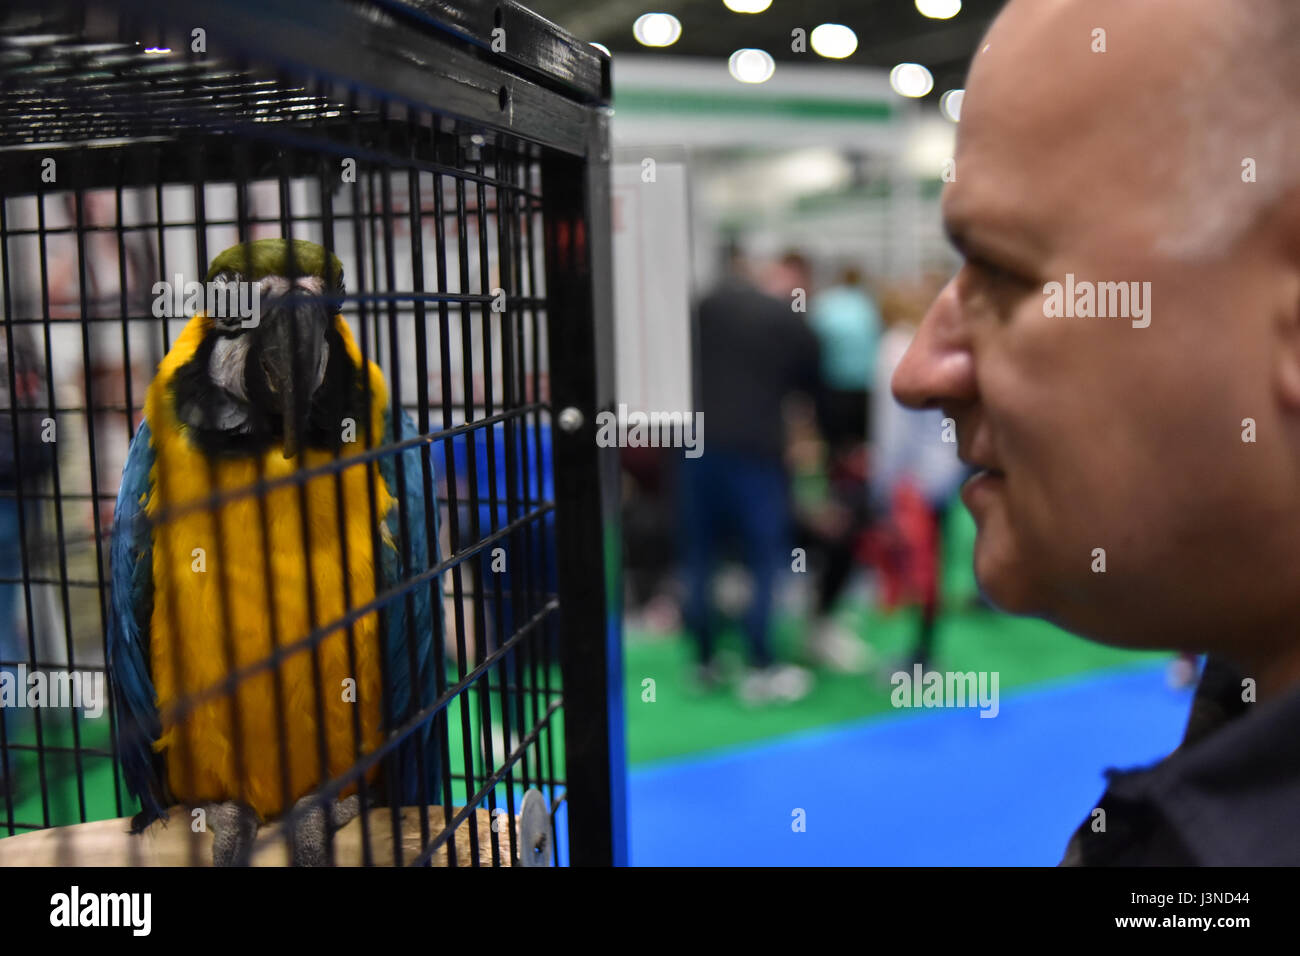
[923, 788]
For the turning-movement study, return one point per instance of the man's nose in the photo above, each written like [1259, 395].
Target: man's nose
[938, 366]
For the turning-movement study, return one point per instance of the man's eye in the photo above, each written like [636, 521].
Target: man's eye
[992, 281]
[996, 273]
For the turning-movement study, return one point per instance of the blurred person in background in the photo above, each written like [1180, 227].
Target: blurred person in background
[755, 353]
[1138, 475]
[914, 478]
[24, 460]
[847, 324]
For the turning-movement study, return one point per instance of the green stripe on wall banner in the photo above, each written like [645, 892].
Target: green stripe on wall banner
[755, 104]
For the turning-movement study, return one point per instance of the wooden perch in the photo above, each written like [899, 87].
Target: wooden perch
[109, 843]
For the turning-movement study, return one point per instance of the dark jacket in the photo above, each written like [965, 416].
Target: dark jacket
[754, 351]
[1228, 796]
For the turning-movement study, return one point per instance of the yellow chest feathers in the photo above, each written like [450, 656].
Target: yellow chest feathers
[235, 584]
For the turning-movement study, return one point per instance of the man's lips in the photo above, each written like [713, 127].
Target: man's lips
[980, 483]
[977, 452]
[980, 468]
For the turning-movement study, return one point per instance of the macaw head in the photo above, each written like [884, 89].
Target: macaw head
[260, 373]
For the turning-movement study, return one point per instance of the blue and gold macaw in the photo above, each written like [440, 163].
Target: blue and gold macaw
[234, 401]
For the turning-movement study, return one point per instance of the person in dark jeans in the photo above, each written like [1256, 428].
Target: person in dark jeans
[755, 351]
[726, 494]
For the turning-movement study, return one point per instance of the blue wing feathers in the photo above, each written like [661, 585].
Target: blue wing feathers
[130, 607]
[427, 612]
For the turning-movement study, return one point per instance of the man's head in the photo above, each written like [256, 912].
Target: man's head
[1129, 165]
[791, 271]
[735, 264]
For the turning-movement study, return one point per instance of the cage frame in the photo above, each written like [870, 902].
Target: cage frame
[552, 92]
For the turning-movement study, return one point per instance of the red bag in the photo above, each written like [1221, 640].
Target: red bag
[904, 550]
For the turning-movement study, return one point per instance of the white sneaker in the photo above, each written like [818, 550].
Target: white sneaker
[707, 678]
[835, 647]
[790, 683]
[783, 682]
[755, 687]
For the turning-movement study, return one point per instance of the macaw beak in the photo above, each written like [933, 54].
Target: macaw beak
[293, 342]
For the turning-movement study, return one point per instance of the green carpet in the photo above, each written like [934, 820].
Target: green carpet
[683, 720]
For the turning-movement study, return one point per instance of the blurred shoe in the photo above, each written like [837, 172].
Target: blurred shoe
[780, 682]
[755, 687]
[791, 683]
[835, 647]
[708, 677]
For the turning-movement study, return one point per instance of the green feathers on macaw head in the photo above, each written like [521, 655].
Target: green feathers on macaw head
[275, 373]
[270, 257]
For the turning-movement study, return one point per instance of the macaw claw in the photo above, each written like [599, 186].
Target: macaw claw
[312, 827]
[234, 829]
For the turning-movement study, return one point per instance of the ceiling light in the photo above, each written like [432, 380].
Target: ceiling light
[747, 6]
[950, 104]
[657, 29]
[833, 41]
[751, 66]
[911, 79]
[939, 9]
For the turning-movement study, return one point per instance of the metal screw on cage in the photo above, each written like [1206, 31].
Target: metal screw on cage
[571, 419]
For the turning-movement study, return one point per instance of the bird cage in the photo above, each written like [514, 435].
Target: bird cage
[419, 616]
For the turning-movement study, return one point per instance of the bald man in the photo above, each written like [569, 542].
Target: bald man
[1139, 461]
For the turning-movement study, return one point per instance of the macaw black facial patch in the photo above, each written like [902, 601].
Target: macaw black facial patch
[229, 417]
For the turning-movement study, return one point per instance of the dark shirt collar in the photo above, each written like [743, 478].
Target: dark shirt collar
[1229, 795]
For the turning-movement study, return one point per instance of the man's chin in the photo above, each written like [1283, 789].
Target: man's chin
[1008, 583]
[1004, 583]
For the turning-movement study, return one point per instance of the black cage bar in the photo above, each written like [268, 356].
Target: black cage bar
[454, 157]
